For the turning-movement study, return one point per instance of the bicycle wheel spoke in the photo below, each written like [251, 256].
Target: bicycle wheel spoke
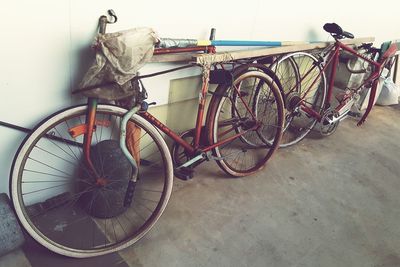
[147, 208]
[139, 214]
[308, 89]
[80, 149]
[255, 104]
[53, 184]
[154, 201]
[47, 165]
[72, 201]
[41, 190]
[45, 173]
[50, 153]
[68, 146]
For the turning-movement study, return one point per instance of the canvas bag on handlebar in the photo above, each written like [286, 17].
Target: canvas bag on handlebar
[119, 56]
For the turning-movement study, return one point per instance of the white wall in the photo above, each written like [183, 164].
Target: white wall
[45, 44]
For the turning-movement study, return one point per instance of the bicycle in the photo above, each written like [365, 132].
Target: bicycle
[307, 98]
[94, 179]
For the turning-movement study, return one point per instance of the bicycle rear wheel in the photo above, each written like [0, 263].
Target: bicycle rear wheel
[250, 114]
[287, 72]
[304, 85]
[67, 210]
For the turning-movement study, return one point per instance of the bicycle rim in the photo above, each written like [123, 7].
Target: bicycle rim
[231, 114]
[64, 209]
[302, 78]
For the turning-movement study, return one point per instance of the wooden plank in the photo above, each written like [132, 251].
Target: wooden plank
[235, 55]
[181, 57]
[221, 56]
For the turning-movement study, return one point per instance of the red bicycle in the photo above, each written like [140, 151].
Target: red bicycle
[95, 178]
[307, 97]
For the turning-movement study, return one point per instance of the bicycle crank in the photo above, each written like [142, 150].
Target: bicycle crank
[329, 122]
[184, 162]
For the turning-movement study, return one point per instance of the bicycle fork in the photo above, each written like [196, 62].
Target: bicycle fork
[122, 144]
[90, 128]
[87, 139]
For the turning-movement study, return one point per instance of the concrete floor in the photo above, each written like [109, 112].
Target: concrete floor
[324, 202]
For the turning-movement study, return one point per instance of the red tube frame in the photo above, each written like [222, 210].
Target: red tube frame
[92, 108]
[192, 149]
[334, 58]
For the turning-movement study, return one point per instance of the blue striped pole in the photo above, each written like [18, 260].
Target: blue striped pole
[171, 43]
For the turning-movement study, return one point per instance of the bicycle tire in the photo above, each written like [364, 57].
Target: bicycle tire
[262, 68]
[287, 72]
[57, 217]
[240, 121]
[284, 72]
[309, 73]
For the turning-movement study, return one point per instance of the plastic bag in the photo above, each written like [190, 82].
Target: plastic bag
[119, 56]
[390, 93]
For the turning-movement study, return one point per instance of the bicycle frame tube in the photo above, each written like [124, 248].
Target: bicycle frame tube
[199, 121]
[87, 139]
[154, 121]
[377, 66]
[191, 149]
[333, 58]
[208, 148]
[338, 47]
[351, 50]
[335, 61]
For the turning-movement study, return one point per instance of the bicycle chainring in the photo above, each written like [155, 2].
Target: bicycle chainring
[327, 125]
[179, 154]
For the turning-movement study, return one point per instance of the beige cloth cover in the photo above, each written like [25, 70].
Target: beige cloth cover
[119, 56]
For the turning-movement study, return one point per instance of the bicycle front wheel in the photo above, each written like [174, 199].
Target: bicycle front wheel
[247, 118]
[304, 86]
[65, 208]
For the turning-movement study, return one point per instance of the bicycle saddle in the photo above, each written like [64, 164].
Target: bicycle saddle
[337, 31]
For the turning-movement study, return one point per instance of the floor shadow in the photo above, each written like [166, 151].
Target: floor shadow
[39, 256]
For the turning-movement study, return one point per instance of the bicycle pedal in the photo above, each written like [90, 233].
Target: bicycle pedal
[184, 173]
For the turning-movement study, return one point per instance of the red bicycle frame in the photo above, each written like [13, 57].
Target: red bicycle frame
[192, 149]
[88, 128]
[333, 59]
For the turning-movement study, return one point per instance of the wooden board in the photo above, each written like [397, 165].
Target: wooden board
[273, 51]
[181, 57]
[241, 54]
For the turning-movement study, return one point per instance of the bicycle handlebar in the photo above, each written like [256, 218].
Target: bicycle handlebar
[369, 50]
